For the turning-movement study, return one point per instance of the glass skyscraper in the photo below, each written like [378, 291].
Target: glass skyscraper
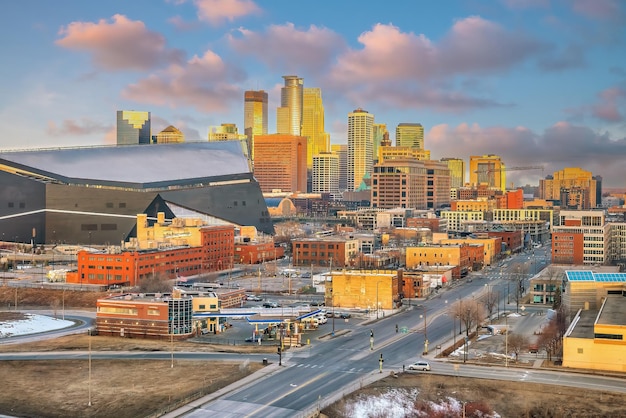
[254, 116]
[289, 114]
[133, 127]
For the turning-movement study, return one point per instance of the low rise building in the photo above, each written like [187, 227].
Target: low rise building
[372, 290]
[596, 338]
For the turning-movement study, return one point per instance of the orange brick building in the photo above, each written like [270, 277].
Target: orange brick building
[145, 316]
[129, 267]
[320, 251]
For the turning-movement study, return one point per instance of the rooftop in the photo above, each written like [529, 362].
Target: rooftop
[143, 164]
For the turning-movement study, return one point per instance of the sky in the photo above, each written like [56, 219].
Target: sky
[538, 82]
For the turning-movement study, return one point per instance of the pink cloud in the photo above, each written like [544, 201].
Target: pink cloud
[561, 145]
[473, 45]
[218, 11]
[201, 83]
[76, 128]
[608, 108]
[288, 48]
[122, 44]
[599, 9]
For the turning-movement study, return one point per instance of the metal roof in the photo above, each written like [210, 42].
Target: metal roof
[146, 164]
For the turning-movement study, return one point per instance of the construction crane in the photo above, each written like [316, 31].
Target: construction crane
[493, 170]
[490, 171]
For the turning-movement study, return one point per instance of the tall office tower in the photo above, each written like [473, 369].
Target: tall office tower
[289, 114]
[318, 141]
[169, 135]
[457, 171]
[437, 184]
[380, 129]
[572, 188]
[410, 135]
[254, 116]
[325, 173]
[280, 162]
[360, 147]
[399, 183]
[229, 132]
[487, 169]
[341, 150]
[133, 127]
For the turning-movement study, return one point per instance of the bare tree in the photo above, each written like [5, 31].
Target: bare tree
[517, 342]
[554, 277]
[470, 312]
[549, 339]
[155, 284]
[491, 302]
[520, 270]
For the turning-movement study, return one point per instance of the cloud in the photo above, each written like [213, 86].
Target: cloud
[290, 49]
[411, 70]
[182, 25]
[604, 10]
[216, 12]
[202, 83]
[122, 44]
[77, 128]
[561, 145]
[526, 4]
[570, 57]
[608, 109]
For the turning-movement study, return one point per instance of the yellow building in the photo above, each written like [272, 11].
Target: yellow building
[439, 255]
[596, 339]
[180, 231]
[169, 135]
[490, 246]
[479, 205]
[318, 141]
[456, 218]
[487, 169]
[386, 153]
[363, 289]
[573, 184]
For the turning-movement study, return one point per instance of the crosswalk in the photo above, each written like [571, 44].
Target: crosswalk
[334, 367]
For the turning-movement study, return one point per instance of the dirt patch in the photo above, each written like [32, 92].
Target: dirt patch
[123, 388]
[481, 396]
[49, 298]
[104, 343]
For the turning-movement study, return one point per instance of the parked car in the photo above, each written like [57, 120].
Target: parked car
[254, 339]
[271, 305]
[420, 365]
[344, 315]
[254, 298]
[306, 275]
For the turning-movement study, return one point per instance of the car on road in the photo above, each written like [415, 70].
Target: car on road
[254, 339]
[254, 298]
[343, 315]
[420, 365]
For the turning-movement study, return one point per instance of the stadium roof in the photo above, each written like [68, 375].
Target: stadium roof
[143, 164]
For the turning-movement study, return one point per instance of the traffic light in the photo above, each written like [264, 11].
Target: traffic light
[278, 350]
[371, 333]
[381, 358]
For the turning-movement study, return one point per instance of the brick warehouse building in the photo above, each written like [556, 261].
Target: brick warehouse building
[92, 195]
[127, 267]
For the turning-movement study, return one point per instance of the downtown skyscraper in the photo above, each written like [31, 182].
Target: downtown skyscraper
[360, 146]
[318, 141]
[289, 114]
[254, 116]
[410, 135]
[133, 127]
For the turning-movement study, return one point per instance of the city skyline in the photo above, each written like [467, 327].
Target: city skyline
[537, 82]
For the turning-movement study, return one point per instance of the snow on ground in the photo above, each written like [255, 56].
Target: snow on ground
[401, 403]
[31, 324]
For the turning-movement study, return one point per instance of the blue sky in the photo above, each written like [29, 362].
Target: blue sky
[539, 82]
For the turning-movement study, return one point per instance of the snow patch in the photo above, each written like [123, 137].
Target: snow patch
[32, 324]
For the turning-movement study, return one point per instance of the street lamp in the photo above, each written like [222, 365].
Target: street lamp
[425, 333]
[377, 302]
